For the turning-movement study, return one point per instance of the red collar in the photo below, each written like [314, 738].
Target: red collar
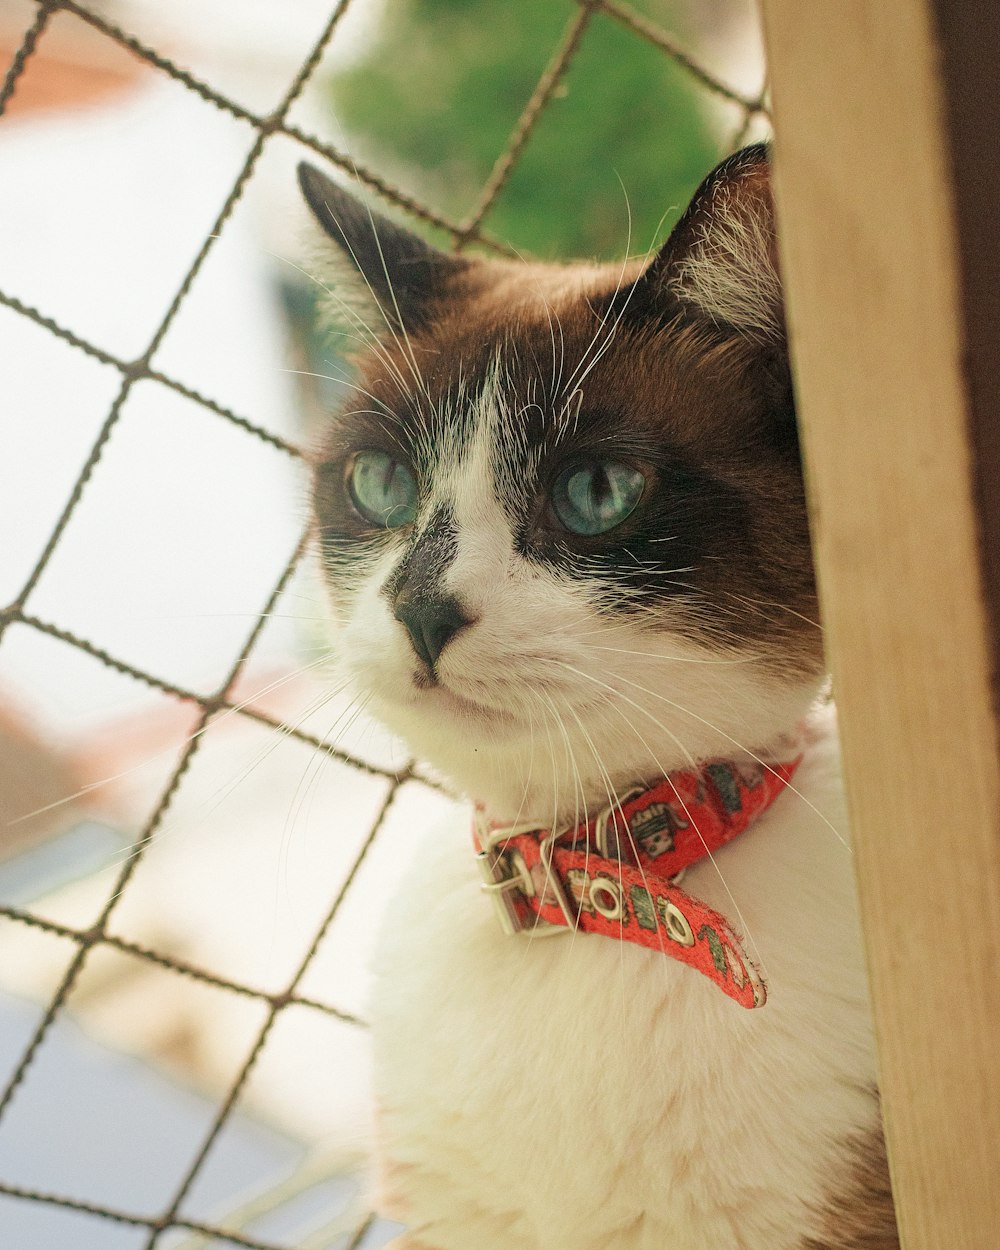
[618, 874]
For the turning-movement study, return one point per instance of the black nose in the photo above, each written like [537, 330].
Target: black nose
[432, 623]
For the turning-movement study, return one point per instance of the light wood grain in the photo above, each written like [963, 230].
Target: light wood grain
[872, 268]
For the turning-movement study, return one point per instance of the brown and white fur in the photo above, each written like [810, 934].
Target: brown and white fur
[578, 1093]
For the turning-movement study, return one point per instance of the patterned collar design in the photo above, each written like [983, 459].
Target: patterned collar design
[618, 875]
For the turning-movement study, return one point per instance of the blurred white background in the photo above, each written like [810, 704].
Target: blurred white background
[113, 174]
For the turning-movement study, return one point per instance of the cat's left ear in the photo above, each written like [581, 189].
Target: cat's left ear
[721, 261]
[382, 273]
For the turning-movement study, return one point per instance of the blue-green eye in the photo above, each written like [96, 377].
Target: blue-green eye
[382, 489]
[593, 498]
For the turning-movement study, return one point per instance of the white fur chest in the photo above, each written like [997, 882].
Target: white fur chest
[577, 1093]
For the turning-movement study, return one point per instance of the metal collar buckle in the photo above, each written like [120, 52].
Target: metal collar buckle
[505, 874]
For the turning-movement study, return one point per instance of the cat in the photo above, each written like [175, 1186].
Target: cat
[564, 528]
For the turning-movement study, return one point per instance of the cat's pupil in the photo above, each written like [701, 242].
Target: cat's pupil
[594, 498]
[601, 490]
[382, 489]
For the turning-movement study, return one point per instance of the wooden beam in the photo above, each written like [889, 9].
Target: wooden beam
[887, 181]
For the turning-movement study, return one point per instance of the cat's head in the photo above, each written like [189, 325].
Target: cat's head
[562, 515]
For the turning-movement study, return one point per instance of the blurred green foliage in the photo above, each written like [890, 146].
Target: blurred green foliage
[440, 87]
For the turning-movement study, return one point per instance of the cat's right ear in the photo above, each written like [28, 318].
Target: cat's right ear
[720, 262]
[381, 275]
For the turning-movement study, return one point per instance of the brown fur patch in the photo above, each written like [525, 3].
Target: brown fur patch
[861, 1215]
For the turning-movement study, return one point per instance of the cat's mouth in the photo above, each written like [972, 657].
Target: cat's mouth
[439, 696]
[506, 702]
[448, 700]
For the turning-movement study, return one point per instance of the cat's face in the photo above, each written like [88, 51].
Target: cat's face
[562, 518]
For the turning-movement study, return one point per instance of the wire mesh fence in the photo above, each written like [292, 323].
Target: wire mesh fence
[472, 230]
